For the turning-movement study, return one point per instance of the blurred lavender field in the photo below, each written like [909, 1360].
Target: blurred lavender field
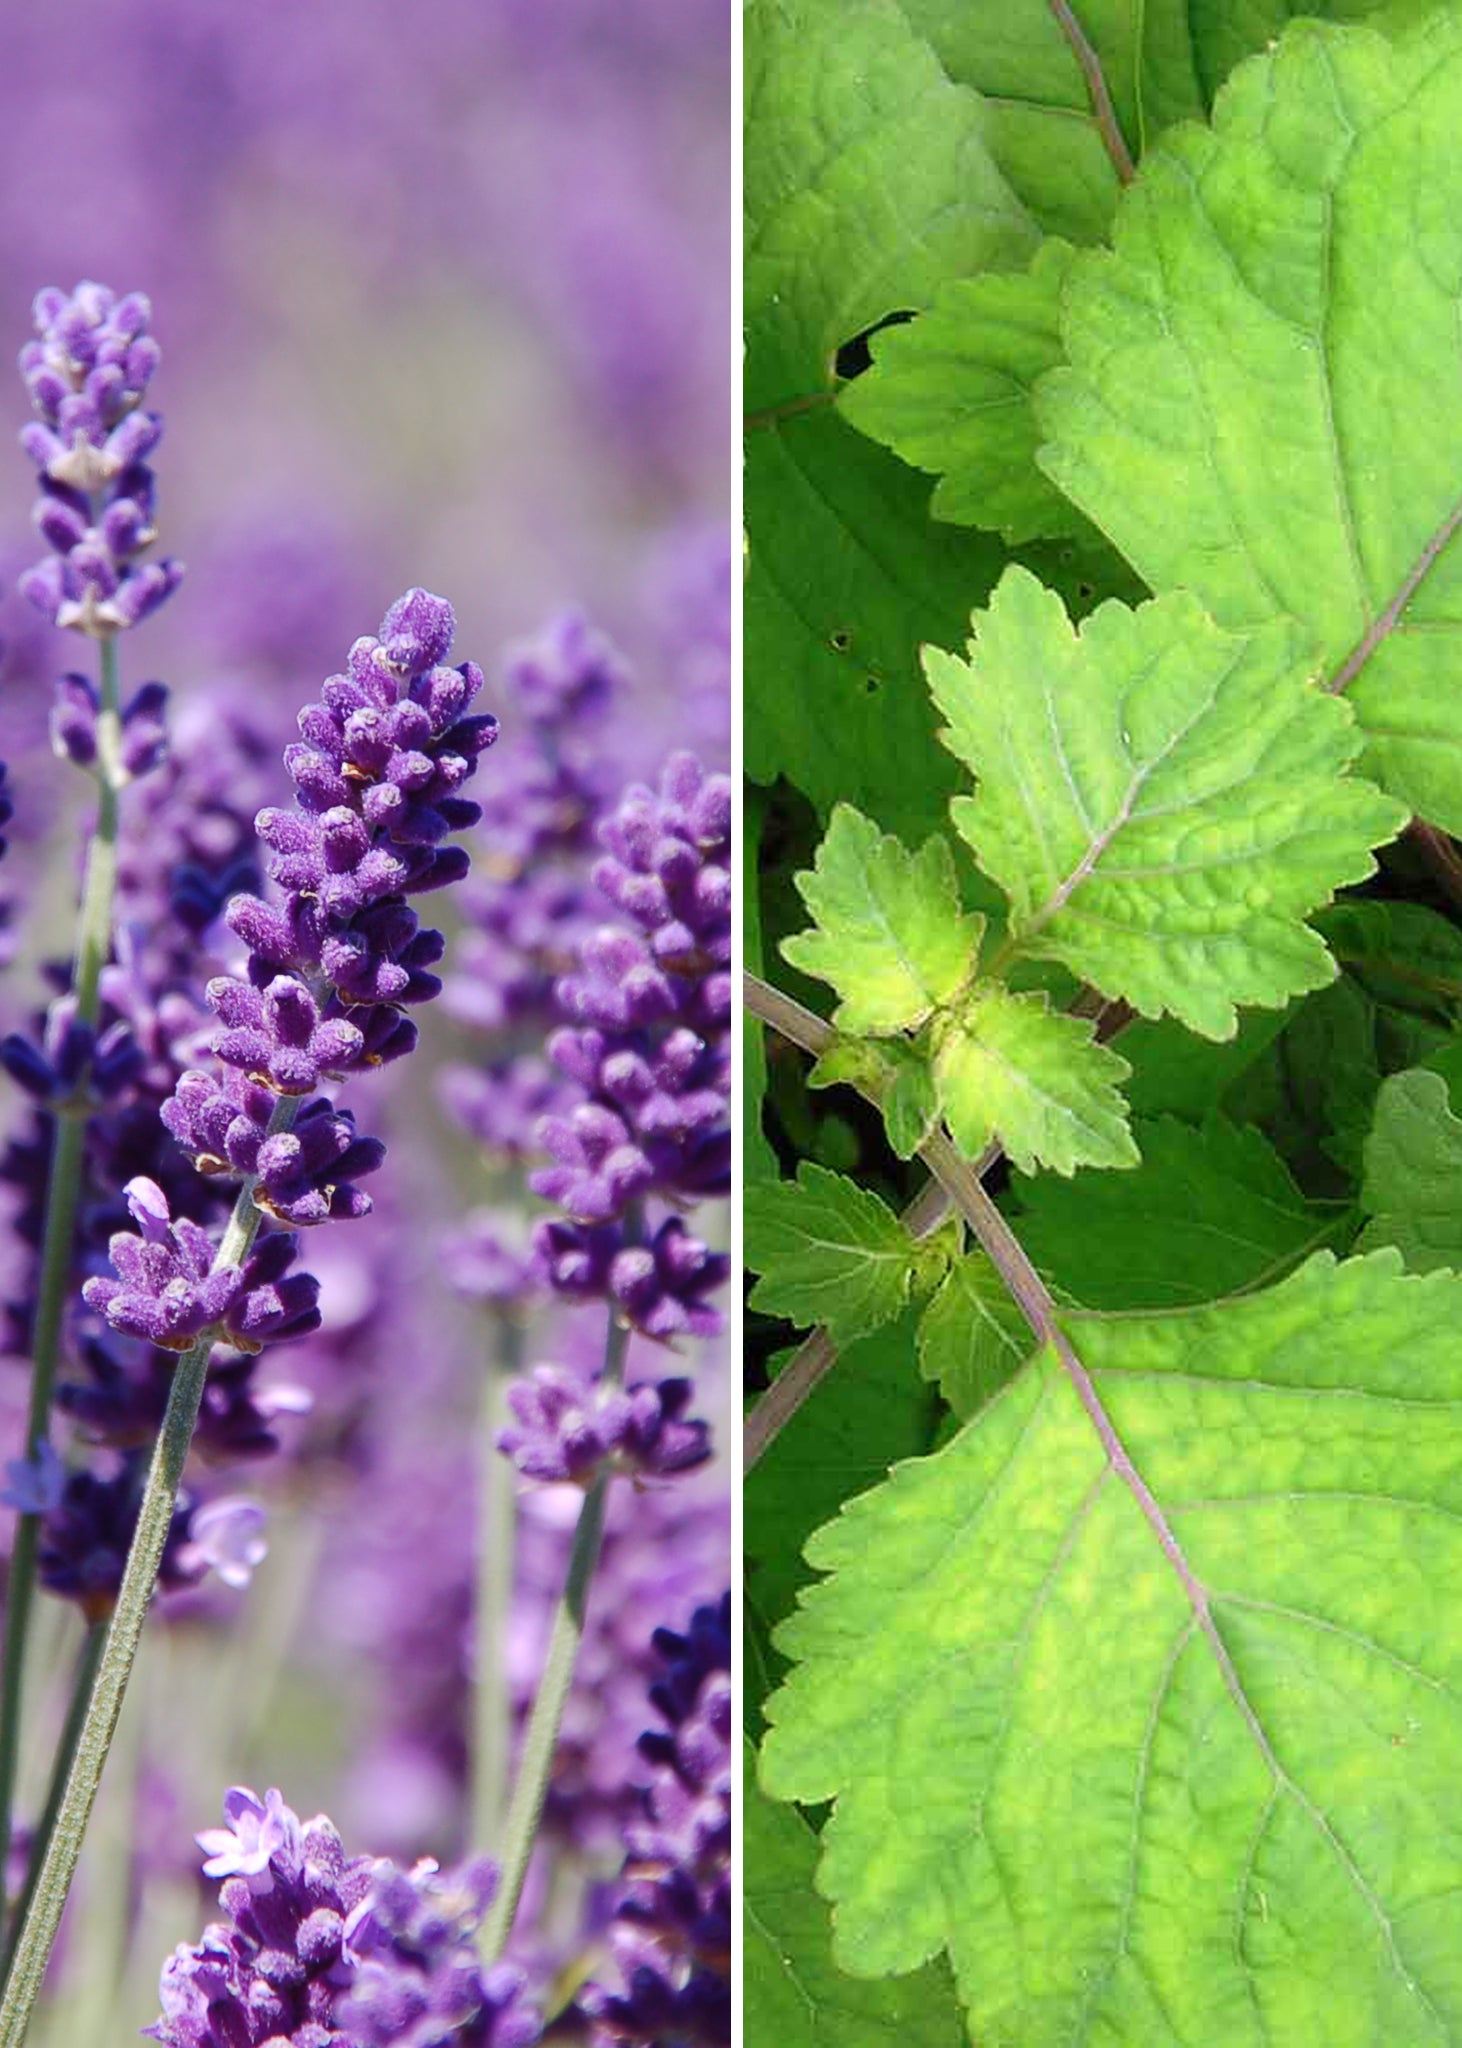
[443, 296]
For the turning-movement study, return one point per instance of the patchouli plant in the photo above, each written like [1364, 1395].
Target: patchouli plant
[1108, 814]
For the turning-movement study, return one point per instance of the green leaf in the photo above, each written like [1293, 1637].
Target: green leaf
[1403, 953]
[1009, 1067]
[871, 1409]
[1162, 802]
[1259, 404]
[828, 1252]
[1207, 1212]
[1224, 35]
[910, 1106]
[867, 181]
[1040, 126]
[890, 936]
[794, 1994]
[1139, 1810]
[951, 393]
[1176, 1074]
[1413, 1173]
[848, 577]
[972, 1338]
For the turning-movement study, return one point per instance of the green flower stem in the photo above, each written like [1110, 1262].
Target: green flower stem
[540, 1743]
[492, 1724]
[68, 1144]
[86, 1670]
[124, 1631]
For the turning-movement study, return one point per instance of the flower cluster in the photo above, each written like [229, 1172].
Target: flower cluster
[571, 1428]
[672, 1931]
[650, 1006]
[321, 1950]
[532, 905]
[337, 956]
[278, 1036]
[171, 1289]
[87, 375]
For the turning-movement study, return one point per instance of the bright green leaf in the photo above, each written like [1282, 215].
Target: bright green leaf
[951, 393]
[1163, 802]
[1262, 400]
[1139, 1807]
[1009, 1067]
[1209, 1211]
[890, 936]
[828, 1252]
[1413, 1173]
[972, 1338]
[867, 181]
[794, 1994]
[891, 1073]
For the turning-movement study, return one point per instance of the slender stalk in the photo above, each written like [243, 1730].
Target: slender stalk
[492, 1705]
[124, 1631]
[86, 1669]
[540, 1743]
[1103, 112]
[63, 1188]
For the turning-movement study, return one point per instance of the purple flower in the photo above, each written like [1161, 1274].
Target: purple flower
[227, 1537]
[34, 1485]
[672, 1935]
[255, 1831]
[303, 1176]
[569, 671]
[419, 1982]
[273, 1970]
[323, 1951]
[87, 376]
[73, 1058]
[169, 1292]
[278, 1037]
[74, 715]
[572, 1428]
[86, 1535]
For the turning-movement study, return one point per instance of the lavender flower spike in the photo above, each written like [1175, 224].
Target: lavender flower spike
[169, 1293]
[319, 1950]
[572, 1428]
[87, 376]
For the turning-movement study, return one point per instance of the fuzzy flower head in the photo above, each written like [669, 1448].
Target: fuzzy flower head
[419, 1980]
[321, 1950]
[568, 1427]
[169, 1292]
[87, 374]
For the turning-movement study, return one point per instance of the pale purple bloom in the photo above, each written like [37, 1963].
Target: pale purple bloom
[227, 1536]
[256, 1831]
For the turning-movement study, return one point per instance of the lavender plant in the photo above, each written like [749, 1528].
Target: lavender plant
[186, 1129]
[1102, 1494]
